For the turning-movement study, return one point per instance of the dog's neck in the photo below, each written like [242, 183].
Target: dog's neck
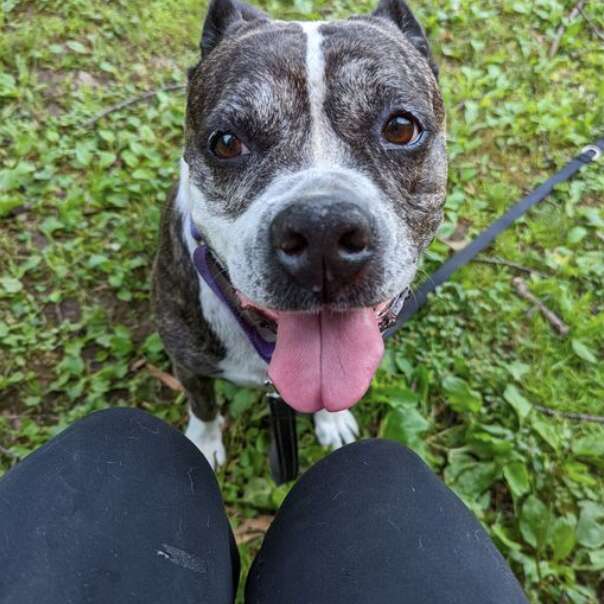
[241, 364]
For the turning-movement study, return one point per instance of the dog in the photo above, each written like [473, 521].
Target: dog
[313, 177]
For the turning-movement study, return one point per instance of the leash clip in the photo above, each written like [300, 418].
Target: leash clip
[389, 315]
[592, 149]
[271, 391]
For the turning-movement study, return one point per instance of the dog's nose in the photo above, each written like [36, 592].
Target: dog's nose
[323, 244]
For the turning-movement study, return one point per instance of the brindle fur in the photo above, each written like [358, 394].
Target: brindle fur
[193, 348]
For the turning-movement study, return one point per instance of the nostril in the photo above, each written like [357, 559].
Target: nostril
[354, 241]
[293, 244]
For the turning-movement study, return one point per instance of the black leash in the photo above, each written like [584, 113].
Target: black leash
[440, 275]
[284, 443]
[283, 453]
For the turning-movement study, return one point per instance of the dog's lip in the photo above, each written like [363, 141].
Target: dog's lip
[380, 309]
[247, 303]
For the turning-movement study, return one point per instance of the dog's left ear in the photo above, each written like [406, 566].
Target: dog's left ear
[400, 14]
[222, 16]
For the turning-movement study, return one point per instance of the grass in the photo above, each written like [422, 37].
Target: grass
[79, 211]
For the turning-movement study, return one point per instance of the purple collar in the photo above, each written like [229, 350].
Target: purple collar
[216, 279]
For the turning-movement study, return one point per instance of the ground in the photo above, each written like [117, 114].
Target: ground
[462, 383]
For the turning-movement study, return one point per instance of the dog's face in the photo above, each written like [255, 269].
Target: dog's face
[315, 154]
[315, 169]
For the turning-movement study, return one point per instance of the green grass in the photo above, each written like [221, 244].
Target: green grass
[79, 211]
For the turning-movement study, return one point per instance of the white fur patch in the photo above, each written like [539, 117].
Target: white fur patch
[315, 81]
[192, 205]
[324, 140]
[335, 429]
[207, 437]
[241, 365]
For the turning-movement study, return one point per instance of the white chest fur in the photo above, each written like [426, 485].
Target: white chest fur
[241, 365]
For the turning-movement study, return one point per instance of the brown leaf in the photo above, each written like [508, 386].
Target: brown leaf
[458, 240]
[138, 364]
[83, 78]
[523, 291]
[165, 378]
[454, 244]
[251, 528]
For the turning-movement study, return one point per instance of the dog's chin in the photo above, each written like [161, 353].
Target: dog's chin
[326, 358]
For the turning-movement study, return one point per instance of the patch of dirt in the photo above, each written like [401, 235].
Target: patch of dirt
[461, 230]
[43, 366]
[136, 315]
[252, 528]
[70, 310]
[85, 78]
[158, 63]
[591, 200]
[501, 501]
[458, 239]
[53, 82]
[89, 353]
[54, 109]
[9, 401]
[39, 241]
[66, 310]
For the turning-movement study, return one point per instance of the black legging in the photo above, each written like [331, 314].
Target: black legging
[121, 507]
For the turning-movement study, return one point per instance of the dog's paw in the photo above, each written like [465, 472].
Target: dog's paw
[335, 429]
[207, 437]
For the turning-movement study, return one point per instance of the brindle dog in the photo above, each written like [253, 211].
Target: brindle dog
[314, 168]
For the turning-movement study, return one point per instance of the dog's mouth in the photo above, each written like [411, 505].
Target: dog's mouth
[321, 360]
[325, 359]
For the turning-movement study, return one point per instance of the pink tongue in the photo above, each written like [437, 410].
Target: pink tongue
[325, 360]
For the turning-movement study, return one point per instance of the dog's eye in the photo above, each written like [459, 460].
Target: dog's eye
[226, 145]
[401, 130]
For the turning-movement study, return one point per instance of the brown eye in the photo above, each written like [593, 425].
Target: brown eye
[401, 130]
[226, 145]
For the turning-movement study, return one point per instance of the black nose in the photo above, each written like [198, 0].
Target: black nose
[323, 244]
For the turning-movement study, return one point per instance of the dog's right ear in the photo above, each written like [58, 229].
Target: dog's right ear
[400, 14]
[222, 16]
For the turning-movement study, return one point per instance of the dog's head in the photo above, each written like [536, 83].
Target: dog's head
[315, 160]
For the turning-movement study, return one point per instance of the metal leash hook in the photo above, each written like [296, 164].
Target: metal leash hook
[283, 453]
[592, 149]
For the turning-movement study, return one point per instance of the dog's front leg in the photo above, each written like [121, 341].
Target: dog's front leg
[205, 423]
[335, 429]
